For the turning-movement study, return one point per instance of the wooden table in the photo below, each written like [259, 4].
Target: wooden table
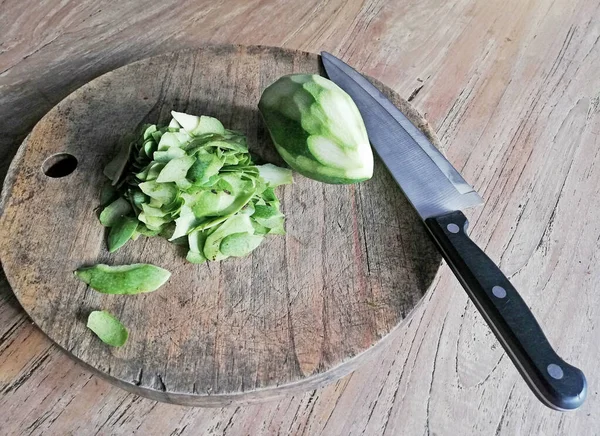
[513, 89]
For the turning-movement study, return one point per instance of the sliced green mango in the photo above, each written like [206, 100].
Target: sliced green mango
[275, 176]
[184, 223]
[108, 194]
[198, 125]
[240, 244]
[123, 279]
[163, 192]
[205, 166]
[154, 170]
[115, 168]
[149, 129]
[108, 328]
[114, 212]
[169, 154]
[188, 181]
[121, 232]
[176, 169]
[235, 224]
[194, 257]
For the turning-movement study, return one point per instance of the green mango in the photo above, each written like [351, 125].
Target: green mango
[108, 328]
[317, 129]
[125, 279]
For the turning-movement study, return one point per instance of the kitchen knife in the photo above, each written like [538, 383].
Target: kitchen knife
[438, 193]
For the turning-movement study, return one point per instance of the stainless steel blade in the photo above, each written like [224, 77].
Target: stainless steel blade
[428, 180]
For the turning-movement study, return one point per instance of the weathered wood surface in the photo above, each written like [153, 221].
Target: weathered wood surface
[513, 90]
[302, 310]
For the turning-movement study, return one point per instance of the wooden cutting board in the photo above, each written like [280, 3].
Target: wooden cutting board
[303, 310]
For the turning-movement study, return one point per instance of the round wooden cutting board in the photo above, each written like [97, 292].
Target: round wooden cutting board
[304, 309]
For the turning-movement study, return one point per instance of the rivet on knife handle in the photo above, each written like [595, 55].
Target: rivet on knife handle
[556, 383]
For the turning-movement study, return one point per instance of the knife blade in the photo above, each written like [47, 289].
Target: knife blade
[439, 193]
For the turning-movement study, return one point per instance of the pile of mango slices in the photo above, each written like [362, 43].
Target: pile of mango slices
[194, 183]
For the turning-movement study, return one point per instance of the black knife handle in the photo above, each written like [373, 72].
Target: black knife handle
[556, 383]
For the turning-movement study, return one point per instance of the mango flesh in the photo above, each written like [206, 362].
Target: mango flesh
[317, 129]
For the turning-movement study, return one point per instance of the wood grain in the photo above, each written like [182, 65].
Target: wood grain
[302, 310]
[512, 88]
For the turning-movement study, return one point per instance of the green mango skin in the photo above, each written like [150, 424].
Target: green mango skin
[108, 328]
[121, 232]
[124, 279]
[317, 129]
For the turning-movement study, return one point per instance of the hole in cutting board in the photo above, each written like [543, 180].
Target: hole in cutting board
[59, 165]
